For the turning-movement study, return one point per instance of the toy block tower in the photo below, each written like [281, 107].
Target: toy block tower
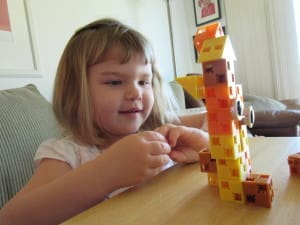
[228, 162]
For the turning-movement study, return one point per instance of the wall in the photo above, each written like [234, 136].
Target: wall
[54, 21]
[184, 27]
[250, 40]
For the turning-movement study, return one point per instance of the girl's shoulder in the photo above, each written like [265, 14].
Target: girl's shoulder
[66, 149]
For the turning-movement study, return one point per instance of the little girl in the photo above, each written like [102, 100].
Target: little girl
[119, 129]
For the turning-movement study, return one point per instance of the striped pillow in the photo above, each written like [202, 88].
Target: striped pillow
[26, 119]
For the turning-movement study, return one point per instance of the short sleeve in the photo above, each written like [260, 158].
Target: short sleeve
[59, 150]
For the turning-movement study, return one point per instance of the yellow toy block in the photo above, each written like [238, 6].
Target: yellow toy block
[193, 85]
[230, 190]
[233, 169]
[217, 48]
[244, 138]
[206, 32]
[225, 146]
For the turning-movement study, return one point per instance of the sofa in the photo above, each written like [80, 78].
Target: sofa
[274, 118]
[26, 119]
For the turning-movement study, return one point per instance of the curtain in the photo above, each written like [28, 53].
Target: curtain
[284, 45]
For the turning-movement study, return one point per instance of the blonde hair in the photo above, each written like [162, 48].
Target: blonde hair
[71, 101]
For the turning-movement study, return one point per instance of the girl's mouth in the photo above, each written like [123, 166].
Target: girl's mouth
[135, 110]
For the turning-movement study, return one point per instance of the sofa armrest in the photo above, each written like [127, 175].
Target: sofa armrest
[276, 123]
[277, 118]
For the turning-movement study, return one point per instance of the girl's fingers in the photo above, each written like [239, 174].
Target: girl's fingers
[159, 161]
[158, 148]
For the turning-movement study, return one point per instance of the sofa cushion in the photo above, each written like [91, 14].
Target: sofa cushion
[260, 103]
[291, 103]
[26, 119]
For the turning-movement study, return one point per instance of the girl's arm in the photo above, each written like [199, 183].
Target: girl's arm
[197, 120]
[56, 192]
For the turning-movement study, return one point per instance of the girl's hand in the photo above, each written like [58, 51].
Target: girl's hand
[137, 157]
[186, 142]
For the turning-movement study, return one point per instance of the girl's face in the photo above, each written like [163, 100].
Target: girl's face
[122, 94]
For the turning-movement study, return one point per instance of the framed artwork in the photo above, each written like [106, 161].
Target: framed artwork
[206, 11]
[17, 45]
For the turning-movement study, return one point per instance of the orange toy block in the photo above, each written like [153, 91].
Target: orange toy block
[220, 92]
[222, 128]
[258, 190]
[207, 163]
[206, 32]
[220, 115]
[294, 163]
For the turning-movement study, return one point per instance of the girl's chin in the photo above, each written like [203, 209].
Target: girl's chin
[125, 132]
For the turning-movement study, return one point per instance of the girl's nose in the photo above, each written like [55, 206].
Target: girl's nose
[133, 92]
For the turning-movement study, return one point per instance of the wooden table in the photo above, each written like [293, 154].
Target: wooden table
[182, 196]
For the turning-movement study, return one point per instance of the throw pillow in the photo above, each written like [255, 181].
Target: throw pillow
[26, 119]
[260, 103]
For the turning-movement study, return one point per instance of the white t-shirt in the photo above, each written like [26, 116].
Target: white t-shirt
[67, 150]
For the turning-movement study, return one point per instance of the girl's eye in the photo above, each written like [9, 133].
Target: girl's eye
[114, 82]
[144, 82]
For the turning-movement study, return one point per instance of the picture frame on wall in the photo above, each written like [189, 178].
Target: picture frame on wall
[18, 51]
[206, 11]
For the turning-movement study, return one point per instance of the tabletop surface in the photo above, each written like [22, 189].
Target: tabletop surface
[181, 195]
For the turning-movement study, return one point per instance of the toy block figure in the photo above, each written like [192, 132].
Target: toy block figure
[258, 190]
[228, 164]
[294, 163]
[212, 30]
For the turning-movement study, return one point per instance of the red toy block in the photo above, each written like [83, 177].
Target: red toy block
[258, 190]
[207, 163]
[294, 163]
[219, 72]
